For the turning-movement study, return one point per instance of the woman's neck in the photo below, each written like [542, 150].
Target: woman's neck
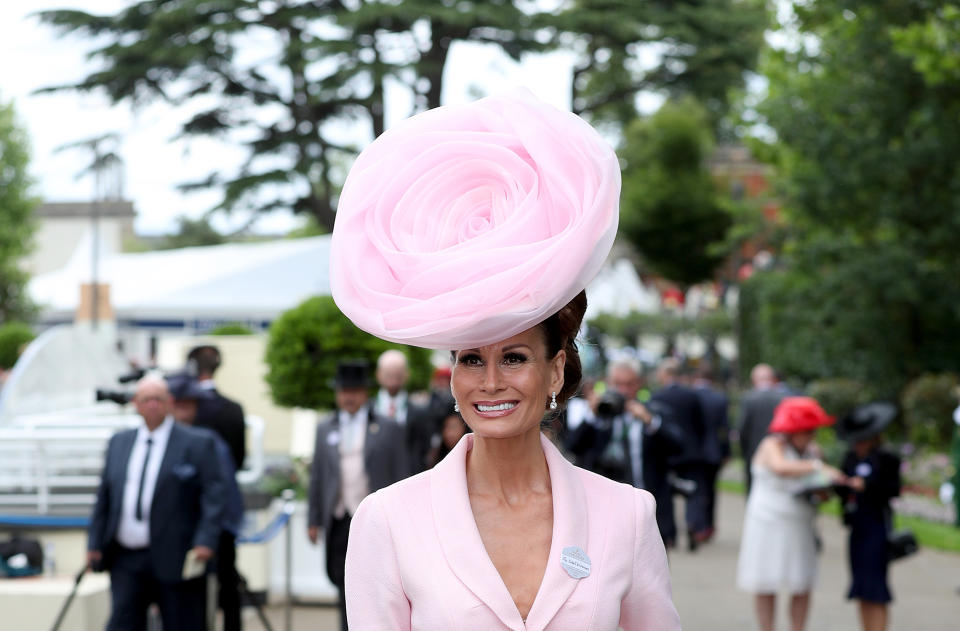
[511, 468]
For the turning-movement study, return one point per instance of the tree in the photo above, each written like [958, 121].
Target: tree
[689, 48]
[307, 342]
[192, 233]
[16, 216]
[867, 284]
[670, 208]
[325, 65]
[14, 337]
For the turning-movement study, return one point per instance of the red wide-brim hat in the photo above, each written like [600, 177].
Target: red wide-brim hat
[799, 414]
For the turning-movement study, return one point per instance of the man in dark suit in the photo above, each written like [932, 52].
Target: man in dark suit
[187, 394]
[628, 442]
[217, 412]
[160, 498]
[688, 464]
[392, 401]
[716, 446]
[356, 453]
[756, 412]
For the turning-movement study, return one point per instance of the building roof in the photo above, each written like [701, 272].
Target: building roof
[242, 281]
[84, 210]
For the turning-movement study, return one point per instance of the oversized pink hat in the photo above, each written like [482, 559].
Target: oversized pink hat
[467, 224]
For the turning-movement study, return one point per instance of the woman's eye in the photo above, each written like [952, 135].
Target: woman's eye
[514, 359]
[470, 360]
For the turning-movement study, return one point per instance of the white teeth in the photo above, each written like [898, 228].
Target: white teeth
[496, 408]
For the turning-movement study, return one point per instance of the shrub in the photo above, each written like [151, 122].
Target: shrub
[307, 342]
[928, 403]
[232, 328]
[14, 336]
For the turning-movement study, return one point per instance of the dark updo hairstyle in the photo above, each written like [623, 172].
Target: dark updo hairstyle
[560, 333]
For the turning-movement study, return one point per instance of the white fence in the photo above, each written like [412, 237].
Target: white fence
[52, 463]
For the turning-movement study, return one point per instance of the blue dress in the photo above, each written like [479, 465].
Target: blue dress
[867, 514]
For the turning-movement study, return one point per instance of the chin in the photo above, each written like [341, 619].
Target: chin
[500, 428]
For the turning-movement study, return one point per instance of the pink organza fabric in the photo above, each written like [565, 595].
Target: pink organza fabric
[465, 225]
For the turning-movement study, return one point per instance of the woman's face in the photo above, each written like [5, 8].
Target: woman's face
[453, 430]
[800, 440]
[503, 389]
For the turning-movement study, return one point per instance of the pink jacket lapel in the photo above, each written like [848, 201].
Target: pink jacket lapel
[570, 528]
[468, 559]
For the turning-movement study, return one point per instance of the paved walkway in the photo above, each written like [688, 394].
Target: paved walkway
[707, 599]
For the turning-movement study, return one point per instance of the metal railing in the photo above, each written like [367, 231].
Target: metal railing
[54, 464]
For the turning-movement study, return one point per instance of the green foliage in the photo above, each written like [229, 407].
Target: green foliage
[14, 336]
[324, 64]
[231, 328]
[704, 48]
[866, 285]
[16, 216]
[307, 342]
[670, 209]
[838, 396]
[192, 233]
[928, 403]
[932, 45]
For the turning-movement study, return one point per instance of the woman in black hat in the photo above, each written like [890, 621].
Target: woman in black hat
[874, 478]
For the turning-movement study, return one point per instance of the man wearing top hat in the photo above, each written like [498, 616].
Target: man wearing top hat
[357, 452]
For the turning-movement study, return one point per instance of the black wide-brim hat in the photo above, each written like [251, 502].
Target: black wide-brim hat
[866, 421]
[352, 373]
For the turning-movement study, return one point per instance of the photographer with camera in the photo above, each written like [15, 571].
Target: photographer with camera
[612, 433]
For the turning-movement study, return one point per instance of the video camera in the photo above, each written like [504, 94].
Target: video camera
[121, 397]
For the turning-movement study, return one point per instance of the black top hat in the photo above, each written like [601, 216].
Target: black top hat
[866, 421]
[352, 373]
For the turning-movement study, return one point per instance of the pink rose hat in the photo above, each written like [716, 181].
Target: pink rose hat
[467, 224]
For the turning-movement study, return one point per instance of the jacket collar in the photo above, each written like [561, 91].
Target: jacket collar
[464, 550]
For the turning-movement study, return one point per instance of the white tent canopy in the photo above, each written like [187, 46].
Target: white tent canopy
[250, 282]
[242, 281]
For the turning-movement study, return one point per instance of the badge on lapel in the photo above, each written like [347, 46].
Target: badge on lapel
[333, 438]
[373, 428]
[575, 561]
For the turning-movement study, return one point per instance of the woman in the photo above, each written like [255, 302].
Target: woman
[452, 429]
[778, 550]
[873, 479]
[476, 228]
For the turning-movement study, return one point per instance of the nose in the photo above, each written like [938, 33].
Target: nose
[492, 378]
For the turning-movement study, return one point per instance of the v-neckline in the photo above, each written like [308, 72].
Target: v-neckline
[462, 545]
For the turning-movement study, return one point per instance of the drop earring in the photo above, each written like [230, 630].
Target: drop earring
[456, 407]
[553, 400]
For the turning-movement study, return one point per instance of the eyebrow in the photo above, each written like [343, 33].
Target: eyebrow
[504, 350]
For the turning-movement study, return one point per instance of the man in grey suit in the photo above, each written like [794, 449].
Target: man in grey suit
[756, 412]
[356, 453]
[160, 497]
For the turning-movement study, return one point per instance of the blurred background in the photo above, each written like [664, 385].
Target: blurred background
[169, 174]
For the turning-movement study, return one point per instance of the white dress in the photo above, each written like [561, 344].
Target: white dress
[778, 550]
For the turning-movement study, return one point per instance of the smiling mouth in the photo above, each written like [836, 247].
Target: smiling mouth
[498, 407]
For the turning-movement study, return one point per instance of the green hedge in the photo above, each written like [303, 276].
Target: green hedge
[307, 342]
[928, 403]
[232, 328]
[14, 336]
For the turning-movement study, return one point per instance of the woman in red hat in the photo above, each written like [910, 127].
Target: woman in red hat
[778, 550]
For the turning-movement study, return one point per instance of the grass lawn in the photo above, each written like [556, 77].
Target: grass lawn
[929, 534]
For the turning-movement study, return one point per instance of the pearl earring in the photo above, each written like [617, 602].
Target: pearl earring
[553, 400]
[456, 407]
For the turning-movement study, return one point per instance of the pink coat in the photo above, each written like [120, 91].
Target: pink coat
[415, 560]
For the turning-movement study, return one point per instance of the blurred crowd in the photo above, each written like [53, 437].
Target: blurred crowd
[165, 506]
